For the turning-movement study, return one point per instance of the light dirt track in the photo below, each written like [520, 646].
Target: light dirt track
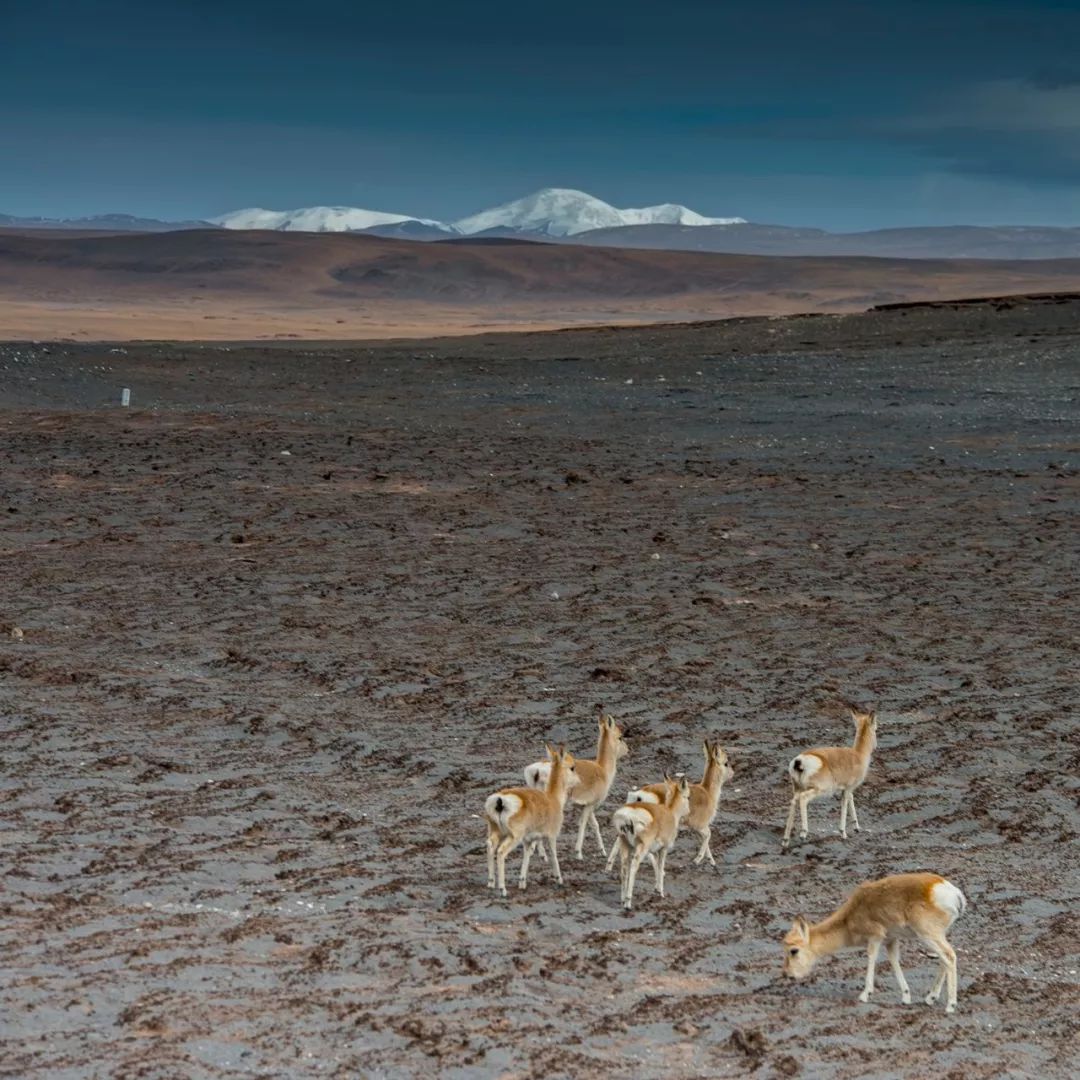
[261, 698]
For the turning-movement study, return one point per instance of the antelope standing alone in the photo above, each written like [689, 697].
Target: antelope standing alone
[594, 779]
[704, 800]
[649, 829]
[882, 912]
[516, 815]
[832, 768]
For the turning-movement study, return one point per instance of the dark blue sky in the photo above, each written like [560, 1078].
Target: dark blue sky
[839, 114]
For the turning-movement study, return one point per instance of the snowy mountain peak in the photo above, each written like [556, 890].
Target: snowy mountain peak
[318, 219]
[565, 212]
[550, 211]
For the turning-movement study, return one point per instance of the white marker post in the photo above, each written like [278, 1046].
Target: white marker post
[125, 397]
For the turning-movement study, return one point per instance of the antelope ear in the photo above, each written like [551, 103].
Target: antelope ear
[610, 721]
[801, 927]
[552, 752]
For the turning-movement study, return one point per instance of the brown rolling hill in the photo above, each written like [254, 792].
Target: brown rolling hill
[215, 284]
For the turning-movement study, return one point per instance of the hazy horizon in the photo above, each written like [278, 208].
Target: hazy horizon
[833, 115]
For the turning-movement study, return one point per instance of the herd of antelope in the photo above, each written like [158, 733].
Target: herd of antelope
[877, 913]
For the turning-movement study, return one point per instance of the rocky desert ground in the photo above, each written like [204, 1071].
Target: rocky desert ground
[273, 633]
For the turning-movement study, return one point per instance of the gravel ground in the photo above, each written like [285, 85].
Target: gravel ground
[290, 619]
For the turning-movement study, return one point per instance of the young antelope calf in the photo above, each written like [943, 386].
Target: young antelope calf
[516, 815]
[649, 829]
[832, 768]
[881, 912]
[704, 800]
[594, 779]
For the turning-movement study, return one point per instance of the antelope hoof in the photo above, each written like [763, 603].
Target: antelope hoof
[843, 835]
[803, 835]
[905, 999]
[950, 1008]
[864, 997]
[930, 998]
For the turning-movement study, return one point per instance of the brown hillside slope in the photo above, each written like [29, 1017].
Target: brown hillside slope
[221, 284]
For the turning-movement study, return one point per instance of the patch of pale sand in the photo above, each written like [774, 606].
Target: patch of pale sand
[179, 320]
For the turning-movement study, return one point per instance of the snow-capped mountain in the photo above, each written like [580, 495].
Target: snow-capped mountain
[318, 219]
[566, 212]
[550, 212]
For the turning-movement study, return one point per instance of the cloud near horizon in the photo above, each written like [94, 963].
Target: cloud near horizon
[1016, 128]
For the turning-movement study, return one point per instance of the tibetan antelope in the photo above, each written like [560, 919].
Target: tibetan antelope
[832, 768]
[704, 800]
[594, 779]
[649, 829]
[517, 815]
[923, 906]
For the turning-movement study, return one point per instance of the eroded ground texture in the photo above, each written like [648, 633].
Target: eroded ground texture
[290, 618]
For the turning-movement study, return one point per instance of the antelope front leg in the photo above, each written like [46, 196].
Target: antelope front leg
[704, 851]
[615, 848]
[553, 841]
[539, 849]
[894, 960]
[804, 802]
[939, 982]
[579, 847]
[947, 974]
[659, 866]
[843, 813]
[624, 866]
[491, 841]
[854, 816]
[506, 845]
[790, 820]
[596, 829]
[526, 855]
[631, 877]
[872, 950]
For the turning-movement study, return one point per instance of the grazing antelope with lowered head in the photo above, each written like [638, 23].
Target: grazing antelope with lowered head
[649, 829]
[881, 912]
[832, 768]
[594, 779]
[516, 815]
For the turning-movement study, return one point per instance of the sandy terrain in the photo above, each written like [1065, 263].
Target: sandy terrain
[288, 621]
[227, 286]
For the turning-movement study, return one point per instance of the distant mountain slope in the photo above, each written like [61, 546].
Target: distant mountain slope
[566, 212]
[232, 285]
[941, 242]
[311, 268]
[102, 222]
[321, 219]
[565, 215]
